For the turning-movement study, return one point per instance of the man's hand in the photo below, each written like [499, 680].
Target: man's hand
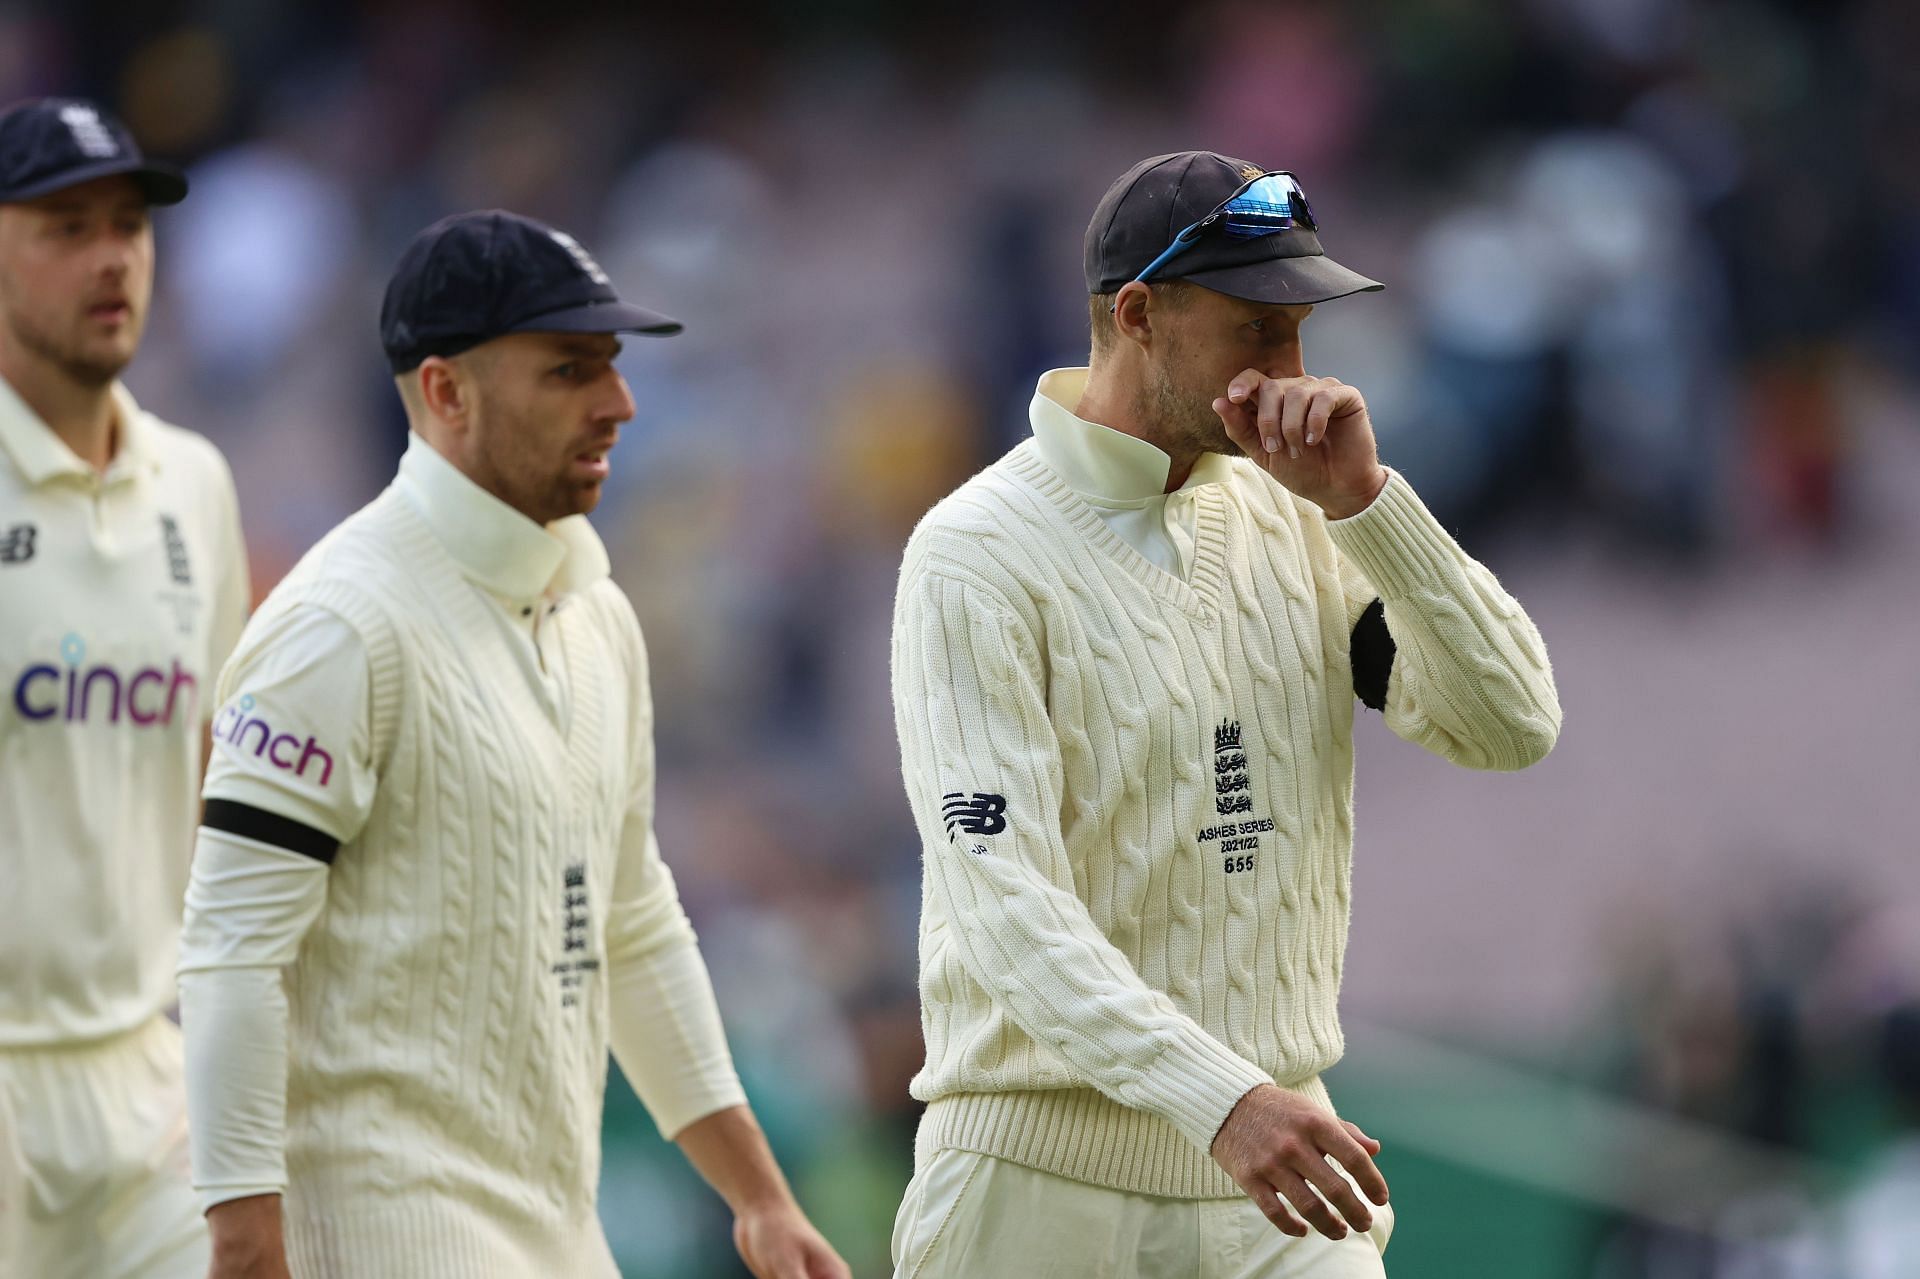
[780, 1243]
[247, 1243]
[1275, 1145]
[1310, 433]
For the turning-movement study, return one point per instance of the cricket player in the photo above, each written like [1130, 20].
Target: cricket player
[123, 586]
[1125, 661]
[426, 895]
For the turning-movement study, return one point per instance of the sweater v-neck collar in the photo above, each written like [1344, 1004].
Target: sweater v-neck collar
[1199, 595]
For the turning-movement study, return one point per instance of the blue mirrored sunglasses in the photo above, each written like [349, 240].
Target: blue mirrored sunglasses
[1264, 205]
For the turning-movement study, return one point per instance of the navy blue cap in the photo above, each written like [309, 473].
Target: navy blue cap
[1162, 195]
[473, 277]
[50, 143]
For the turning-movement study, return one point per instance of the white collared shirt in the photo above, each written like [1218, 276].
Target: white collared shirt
[1122, 477]
[121, 593]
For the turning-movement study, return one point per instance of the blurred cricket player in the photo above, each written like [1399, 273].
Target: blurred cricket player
[1125, 661]
[123, 586]
[426, 894]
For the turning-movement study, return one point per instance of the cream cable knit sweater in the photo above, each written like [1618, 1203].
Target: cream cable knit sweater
[1135, 800]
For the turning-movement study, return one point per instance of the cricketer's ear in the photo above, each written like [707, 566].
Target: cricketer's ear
[444, 389]
[1133, 312]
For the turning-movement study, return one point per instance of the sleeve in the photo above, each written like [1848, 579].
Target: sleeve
[233, 593]
[664, 1020]
[248, 907]
[974, 730]
[1469, 677]
[291, 778]
[292, 763]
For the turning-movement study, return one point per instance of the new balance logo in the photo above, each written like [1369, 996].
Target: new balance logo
[16, 544]
[976, 814]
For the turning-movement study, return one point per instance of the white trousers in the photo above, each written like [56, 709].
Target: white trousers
[967, 1216]
[93, 1161]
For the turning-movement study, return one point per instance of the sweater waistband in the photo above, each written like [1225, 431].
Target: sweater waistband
[434, 1237]
[1085, 1136]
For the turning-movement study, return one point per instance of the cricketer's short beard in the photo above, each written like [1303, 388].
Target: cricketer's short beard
[1182, 418]
[83, 371]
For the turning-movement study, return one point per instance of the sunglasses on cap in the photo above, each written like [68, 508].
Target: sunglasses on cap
[1266, 204]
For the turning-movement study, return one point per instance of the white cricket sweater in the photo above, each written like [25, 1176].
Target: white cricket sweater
[1134, 793]
[496, 908]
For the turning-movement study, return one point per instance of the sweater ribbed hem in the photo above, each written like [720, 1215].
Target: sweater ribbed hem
[1084, 1136]
[437, 1238]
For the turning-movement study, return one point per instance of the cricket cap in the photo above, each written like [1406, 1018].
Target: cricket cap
[1154, 201]
[473, 277]
[48, 144]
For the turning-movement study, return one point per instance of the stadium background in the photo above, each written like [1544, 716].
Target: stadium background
[1649, 344]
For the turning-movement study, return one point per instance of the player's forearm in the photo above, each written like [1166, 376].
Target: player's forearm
[248, 906]
[235, 1025]
[1473, 677]
[730, 1151]
[248, 1238]
[668, 1038]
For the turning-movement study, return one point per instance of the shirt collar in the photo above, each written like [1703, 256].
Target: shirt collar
[42, 455]
[1097, 461]
[496, 546]
[139, 438]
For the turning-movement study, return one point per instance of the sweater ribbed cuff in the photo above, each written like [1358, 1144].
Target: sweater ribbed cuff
[1194, 1084]
[1396, 542]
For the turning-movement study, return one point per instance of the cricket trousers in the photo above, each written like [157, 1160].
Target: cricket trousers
[968, 1216]
[94, 1181]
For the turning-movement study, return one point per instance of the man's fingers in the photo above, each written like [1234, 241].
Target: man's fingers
[1319, 413]
[1358, 1161]
[1271, 397]
[1354, 1130]
[1339, 1192]
[1244, 384]
[1308, 1204]
[1293, 418]
[1291, 413]
[1234, 418]
[824, 1263]
[1275, 1210]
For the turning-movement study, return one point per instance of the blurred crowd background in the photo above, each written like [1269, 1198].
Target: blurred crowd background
[1649, 344]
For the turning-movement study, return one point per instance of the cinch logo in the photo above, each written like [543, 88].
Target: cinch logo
[77, 693]
[237, 725]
